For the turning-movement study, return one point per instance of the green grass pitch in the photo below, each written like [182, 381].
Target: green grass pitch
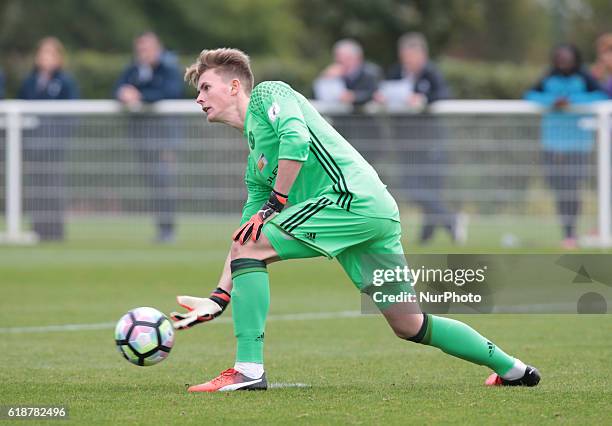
[354, 369]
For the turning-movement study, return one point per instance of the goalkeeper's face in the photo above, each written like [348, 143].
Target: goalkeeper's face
[216, 95]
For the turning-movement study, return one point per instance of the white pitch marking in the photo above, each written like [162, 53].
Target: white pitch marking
[516, 309]
[288, 385]
[226, 320]
[59, 327]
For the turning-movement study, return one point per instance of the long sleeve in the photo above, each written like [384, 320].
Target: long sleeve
[438, 88]
[539, 95]
[122, 80]
[70, 89]
[593, 92]
[366, 85]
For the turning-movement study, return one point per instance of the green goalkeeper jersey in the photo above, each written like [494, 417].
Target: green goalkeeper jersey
[281, 124]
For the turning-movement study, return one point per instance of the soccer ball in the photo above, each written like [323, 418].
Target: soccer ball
[144, 336]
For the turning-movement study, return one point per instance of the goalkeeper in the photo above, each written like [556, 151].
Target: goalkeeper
[310, 194]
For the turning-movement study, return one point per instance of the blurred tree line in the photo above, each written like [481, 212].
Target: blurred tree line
[487, 48]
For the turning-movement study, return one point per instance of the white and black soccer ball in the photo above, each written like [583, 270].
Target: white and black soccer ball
[144, 336]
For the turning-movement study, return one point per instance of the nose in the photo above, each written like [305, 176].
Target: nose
[200, 99]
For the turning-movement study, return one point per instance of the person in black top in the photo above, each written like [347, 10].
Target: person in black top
[153, 76]
[45, 145]
[423, 148]
[426, 82]
[353, 81]
[359, 77]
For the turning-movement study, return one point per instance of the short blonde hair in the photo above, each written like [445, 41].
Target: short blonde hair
[56, 45]
[232, 63]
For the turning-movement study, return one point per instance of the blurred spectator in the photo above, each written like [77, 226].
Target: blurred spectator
[415, 79]
[414, 83]
[350, 79]
[567, 141]
[45, 146]
[602, 70]
[153, 76]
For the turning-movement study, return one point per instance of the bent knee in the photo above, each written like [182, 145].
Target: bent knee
[406, 333]
[239, 251]
[409, 327]
[261, 250]
[235, 250]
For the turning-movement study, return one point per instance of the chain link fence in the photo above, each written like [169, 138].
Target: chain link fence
[176, 168]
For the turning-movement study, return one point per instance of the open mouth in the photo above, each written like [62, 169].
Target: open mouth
[206, 109]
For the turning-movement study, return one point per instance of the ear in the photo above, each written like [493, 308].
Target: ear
[236, 86]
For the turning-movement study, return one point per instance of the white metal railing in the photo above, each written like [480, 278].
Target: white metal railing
[15, 116]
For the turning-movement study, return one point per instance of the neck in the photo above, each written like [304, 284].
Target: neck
[45, 73]
[238, 115]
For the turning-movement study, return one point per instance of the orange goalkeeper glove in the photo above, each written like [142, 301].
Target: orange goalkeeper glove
[252, 227]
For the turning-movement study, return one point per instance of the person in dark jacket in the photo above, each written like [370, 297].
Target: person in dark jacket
[358, 77]
[416, 82]
[45, 146]
[416, 70]
[567, 144]
[154, 76]
[351, 80]
[48, 80]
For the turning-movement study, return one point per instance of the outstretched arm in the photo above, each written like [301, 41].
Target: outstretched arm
[225, 281]
[203, 309]
[287, 172]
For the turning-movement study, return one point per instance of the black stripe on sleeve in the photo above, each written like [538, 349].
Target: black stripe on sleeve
[330, 165]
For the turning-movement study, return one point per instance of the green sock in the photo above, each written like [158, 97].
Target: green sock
[460, 340]
[250, 304]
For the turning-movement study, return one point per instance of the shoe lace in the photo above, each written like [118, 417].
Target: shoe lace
[224, 374]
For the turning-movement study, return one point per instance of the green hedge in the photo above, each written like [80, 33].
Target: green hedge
[96, 74]
[482, 80]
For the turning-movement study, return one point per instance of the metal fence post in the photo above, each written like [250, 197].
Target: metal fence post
[603, 176]
[14, 212]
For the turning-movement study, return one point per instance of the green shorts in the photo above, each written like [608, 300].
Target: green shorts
[318, 227]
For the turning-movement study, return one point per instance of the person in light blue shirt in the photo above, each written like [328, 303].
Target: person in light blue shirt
[567, 140]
